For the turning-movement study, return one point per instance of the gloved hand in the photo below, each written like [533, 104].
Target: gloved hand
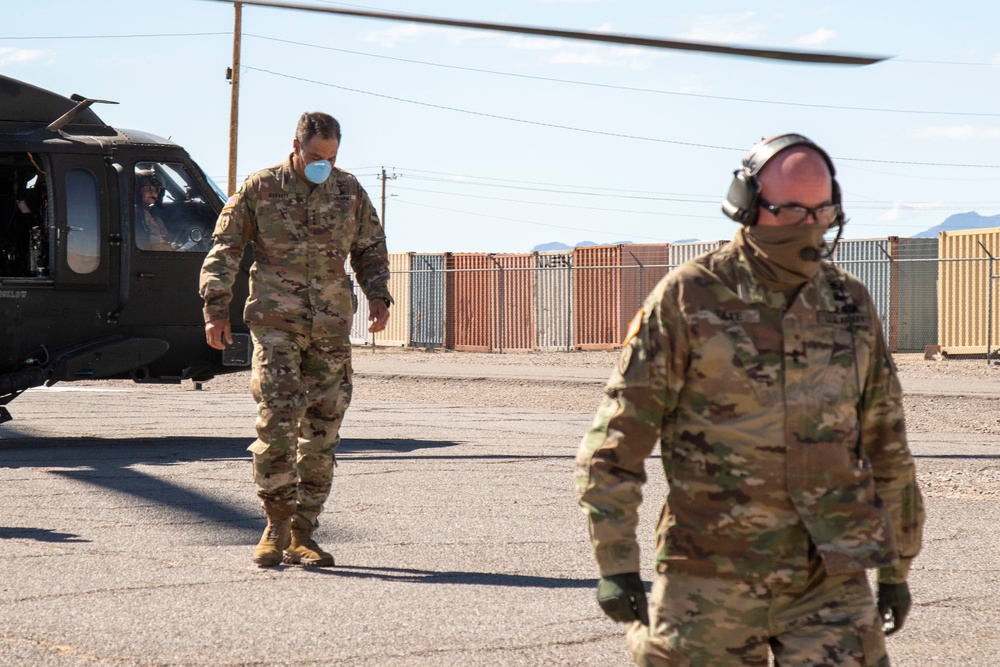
[893, 605]
[623, 598]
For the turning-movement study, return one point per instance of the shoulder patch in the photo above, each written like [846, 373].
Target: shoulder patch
[230, 203]
[634, 326]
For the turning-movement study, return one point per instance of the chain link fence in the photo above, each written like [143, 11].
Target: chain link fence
[576, 301]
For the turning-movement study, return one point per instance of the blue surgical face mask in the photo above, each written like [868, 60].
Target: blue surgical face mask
[317, 172]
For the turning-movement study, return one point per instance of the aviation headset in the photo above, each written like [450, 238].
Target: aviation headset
[742, 202]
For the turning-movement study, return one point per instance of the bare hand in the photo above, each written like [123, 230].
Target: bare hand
[378, 315]
[218, 333]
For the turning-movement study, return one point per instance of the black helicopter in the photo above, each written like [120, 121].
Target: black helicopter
[102, 235]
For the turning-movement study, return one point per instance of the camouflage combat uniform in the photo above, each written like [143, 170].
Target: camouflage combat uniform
[299, 313]
[783, 442]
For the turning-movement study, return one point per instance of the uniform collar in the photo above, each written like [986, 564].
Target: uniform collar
[815, 294]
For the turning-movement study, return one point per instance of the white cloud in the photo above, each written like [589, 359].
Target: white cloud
[535, 43]
[566, 52]
[407, 32]
[737, 28]
[817, 37]
[899, 208]
[692, 84]
[11, 56]
[959, 133]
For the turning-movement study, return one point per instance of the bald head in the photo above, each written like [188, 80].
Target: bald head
[798, 175]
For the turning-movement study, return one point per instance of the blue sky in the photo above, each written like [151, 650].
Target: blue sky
[500, 142]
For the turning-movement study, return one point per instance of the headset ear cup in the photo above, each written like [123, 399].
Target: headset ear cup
[741, 201]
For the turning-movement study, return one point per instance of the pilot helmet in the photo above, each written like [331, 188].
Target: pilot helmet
[144, 177]
[147, 177]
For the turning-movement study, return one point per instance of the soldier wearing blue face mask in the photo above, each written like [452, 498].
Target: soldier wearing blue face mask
[304, 218]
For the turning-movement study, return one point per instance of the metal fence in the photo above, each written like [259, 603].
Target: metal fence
[929, 294]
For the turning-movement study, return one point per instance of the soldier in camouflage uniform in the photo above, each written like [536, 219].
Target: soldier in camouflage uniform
[303, 218]
[763, 374]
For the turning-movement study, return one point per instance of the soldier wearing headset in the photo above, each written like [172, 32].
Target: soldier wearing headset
[762, 372]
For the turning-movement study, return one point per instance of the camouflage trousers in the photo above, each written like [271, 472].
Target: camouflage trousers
[302, 387]
[706, 622]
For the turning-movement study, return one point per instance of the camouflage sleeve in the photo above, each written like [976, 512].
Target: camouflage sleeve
[883, 433]
[369, 257]
[610, 465]
[233, 230]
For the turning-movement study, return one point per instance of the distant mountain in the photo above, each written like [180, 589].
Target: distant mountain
[549, 247]
[556, 245]
[958, 222]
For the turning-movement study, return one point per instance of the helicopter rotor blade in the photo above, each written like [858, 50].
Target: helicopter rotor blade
[613, 38]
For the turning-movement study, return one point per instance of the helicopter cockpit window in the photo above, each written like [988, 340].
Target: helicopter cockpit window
[83, 221]
[171, 212]
[24, 225]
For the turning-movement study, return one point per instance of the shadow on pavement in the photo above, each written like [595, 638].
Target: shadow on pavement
[451, 577]
[112, 464]
[38, 535]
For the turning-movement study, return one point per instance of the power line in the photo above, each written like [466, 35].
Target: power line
[537, 224]
[674, 142]
[576, 82]
[557, 205]
[467, 179]
[120, 36]
[490, 115]
[511, 180]
[675, 198]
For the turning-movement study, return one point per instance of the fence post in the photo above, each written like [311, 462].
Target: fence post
[499, 304]
[571, 269]
[642, 292]
[989, 305]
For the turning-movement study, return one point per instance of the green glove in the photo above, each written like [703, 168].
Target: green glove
[893, 605]
[623, 598]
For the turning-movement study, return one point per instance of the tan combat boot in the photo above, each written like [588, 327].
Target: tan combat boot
[276, 538]
[303, 549]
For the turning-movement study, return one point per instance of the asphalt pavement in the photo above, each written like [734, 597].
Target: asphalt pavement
[128, 520]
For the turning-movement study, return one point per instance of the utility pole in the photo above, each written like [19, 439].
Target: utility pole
[383, 178]
[234, 103]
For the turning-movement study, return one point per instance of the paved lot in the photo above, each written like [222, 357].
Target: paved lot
[128, 519]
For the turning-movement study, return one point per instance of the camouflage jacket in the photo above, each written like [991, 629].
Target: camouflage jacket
[300, 240]
[780, 427]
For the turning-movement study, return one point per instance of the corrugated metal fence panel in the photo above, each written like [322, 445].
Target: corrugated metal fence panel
[398, 331]
[964, 291]
[914, 290]
[597, 297]
[469, 321]
[513, 302]
[678, 253]
[359, 325]
[428, 300]
[871, 261]
[554, 300]
[643, 265]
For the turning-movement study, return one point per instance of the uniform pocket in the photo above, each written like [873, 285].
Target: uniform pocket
[652, 650]
[872, 641]
[912, 532]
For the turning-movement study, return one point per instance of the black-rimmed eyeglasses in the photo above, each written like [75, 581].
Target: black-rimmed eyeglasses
[796, 214]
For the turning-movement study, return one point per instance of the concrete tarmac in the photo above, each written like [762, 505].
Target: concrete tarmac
[128, 521]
